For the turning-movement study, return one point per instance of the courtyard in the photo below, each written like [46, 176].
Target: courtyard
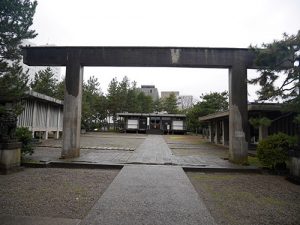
[150, 189]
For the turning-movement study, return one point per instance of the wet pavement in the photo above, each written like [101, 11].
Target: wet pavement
[124, 149]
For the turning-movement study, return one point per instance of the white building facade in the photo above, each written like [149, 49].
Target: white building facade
[42, 114]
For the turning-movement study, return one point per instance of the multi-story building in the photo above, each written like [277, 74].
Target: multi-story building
[150, 90]
[185, 101]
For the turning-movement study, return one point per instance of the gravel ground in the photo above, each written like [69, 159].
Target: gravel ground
[248, 198]
[51, 192]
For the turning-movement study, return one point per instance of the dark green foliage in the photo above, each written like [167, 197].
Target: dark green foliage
[125, 97]
[279, 59]
[214, 102]
[209, 103]
[94, 105]
[60, 90]
[157, 106]
[274, 149]
[144, 104]
[13, 83]
[280, 72]
[45, 82]
[169, 104]
[262, 121]
[25, 136]
[16, 17]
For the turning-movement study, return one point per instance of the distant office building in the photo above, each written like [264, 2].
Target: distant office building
[185, 101]
[150, 90]
[166, 94]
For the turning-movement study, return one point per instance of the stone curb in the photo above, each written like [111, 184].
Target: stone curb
[89, 147]
[71, 165]
[221, 169]
[83, 165]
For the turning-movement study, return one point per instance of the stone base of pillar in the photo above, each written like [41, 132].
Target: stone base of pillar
[240, 153]
[74, 153]
[10, 157]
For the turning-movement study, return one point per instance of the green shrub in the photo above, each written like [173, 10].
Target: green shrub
[274, 149]
[24, 135]
[257, 122]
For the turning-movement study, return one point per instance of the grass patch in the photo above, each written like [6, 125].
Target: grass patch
[253, 161]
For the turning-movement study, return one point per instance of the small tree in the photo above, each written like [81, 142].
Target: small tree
[24, 135]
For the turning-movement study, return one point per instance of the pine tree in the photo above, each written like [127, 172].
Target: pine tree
[279, 77]
[280, 70]
[16, 17]
[170, 104]
[45, 82]
[93, 105]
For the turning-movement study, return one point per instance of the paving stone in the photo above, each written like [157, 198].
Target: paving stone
[153, 195]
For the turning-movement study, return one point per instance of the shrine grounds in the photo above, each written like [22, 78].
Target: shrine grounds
[68, 193]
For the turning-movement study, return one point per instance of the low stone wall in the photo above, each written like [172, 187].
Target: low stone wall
[10, 157]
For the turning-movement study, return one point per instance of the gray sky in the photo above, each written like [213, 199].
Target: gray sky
[189, 23]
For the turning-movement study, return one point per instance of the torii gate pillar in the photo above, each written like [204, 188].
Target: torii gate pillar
[238, 114]
[72, 110]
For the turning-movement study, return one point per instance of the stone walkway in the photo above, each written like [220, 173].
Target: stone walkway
[152, 151]
[150, 195]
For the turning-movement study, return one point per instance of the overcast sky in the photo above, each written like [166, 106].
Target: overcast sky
[188, 23]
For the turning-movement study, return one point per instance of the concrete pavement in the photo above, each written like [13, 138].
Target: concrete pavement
[149, 195]
[153, 150]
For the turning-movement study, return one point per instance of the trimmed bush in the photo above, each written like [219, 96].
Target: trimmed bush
[24, 135]
[273, 150]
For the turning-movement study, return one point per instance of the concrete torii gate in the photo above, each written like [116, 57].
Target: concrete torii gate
[237, 60]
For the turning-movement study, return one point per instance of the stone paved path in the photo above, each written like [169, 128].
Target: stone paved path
[154, 150]
[150, 195]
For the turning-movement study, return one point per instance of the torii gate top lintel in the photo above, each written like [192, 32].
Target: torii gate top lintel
[138, 56]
